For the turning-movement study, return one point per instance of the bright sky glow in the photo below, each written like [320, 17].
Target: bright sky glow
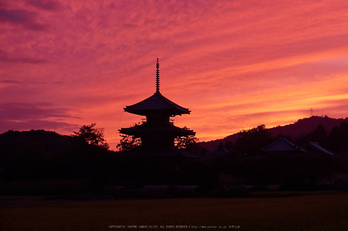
[234, 64]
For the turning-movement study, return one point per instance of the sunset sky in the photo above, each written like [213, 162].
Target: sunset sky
[234, 64]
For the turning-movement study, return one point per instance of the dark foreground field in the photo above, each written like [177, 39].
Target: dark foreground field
[301, 211]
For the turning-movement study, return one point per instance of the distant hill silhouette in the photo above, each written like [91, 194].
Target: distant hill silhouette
[295, 130]
[49, 141]
[43, 155]
[46, 163]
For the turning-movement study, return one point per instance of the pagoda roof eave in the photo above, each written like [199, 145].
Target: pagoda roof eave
[156, 102]
[145, 129]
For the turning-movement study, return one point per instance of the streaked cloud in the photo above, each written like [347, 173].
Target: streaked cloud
[5, 57]
[45, 4]
[21, 17]
[234, 64]
[24, 116]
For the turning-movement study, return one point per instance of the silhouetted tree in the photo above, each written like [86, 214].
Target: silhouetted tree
[186, 142]
[190, 143]
[318, 135]
[128, 143]
[250, 141]
[337, 140]
[92, 135]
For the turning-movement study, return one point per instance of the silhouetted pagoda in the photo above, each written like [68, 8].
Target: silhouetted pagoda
[157, 132]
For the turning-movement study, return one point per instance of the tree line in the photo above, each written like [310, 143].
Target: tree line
[251, 141]
[85, 158]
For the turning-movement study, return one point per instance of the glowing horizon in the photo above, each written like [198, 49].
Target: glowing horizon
[234, 64]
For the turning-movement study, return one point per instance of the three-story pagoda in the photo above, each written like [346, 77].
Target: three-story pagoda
[157, 132]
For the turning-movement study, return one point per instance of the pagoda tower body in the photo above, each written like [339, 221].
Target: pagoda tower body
[157, 132]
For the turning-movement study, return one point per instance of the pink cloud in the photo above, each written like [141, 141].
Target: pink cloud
[247, 62]
[34, 116]
[5, 57]
[46, 4]
[21, 17]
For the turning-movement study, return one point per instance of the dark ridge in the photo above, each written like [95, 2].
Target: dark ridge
[295, 130]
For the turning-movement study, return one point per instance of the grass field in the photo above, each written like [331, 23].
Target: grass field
[314, 211]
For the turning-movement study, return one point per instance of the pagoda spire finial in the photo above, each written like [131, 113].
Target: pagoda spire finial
[157, 77]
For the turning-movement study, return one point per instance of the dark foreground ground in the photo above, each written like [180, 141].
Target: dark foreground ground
[325, 210]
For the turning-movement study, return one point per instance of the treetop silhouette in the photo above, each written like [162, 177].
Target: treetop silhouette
[92, 135]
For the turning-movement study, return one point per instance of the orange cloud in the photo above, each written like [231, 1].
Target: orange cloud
[234, 64]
